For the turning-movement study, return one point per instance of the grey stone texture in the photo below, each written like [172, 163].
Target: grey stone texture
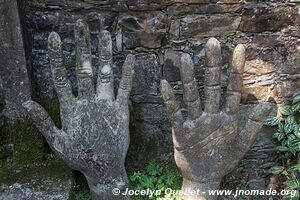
[211, 141]
[94, 137]
[13, 72]
[49, 188]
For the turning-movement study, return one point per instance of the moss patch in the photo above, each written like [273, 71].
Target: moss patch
[52, 107]
[21, 143]
[54, 167]
[24, 153]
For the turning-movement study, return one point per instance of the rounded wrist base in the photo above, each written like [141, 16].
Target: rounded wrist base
[111, 191]
[199, 190]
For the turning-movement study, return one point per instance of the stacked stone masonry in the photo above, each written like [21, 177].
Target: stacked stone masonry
[158, 32]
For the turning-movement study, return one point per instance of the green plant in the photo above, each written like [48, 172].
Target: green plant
[158, 178]
[83, 195]
[288, 144]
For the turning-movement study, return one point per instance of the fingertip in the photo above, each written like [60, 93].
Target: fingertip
[187, 64]
[213, 52]
[239, 50]
[104, 35]
[80, 23]
[130, 59]
[261, 111]
[187, 68]
[165, 89]
[105, 45]
[53, 36]
[81, 29]
[27, 104]
[129, 63]
[186, 59]
[54, 41]
[239, 58]
[213, 40]
[213, 44]
[240, 47]
[35, 110]
[164, 83]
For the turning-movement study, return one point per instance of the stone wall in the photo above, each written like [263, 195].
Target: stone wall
[18, 137]
[157, 32]
[15, 82]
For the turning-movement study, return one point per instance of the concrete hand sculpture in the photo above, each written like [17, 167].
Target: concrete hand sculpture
[94, 138]
[208, 144]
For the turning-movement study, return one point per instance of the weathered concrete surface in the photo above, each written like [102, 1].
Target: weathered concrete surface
[51, 179]
[2, 97]
[211, 141]
[37, 189]
[94, 137]
[13, 71]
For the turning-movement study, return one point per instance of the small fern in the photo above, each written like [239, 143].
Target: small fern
[159, 178]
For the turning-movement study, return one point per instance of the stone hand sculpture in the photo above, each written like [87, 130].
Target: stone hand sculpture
[94, 138]
[209, 143]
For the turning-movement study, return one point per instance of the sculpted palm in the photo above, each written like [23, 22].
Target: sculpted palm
[211, 141]
[94, 138]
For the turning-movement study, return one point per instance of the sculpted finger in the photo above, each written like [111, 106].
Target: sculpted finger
[83, 60]
[41, 120]
[254, 123]
[126, 81]
[235, 86]
[59, 73]
[172, 106]
[212, 76]
[105, 87]
[190, 90]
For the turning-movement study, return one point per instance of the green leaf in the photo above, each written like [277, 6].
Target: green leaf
[294, 184]
[288, 128]
[169, 181]
[296, 129]
[135, 177]
[296, 107]
[278, 135]
[272, 121]
[293, 151]
[147, 182]
[287, 110]
[295, 141]
[291, 137]
[282, 148]
[296, 97]
[280, 127]
[296, 93]
[154, 169]
[290, 119]
[276, 170]
[295, 167]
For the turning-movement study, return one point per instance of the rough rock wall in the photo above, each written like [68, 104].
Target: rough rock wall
[157, 31]
[17, 135]
[13, 71]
